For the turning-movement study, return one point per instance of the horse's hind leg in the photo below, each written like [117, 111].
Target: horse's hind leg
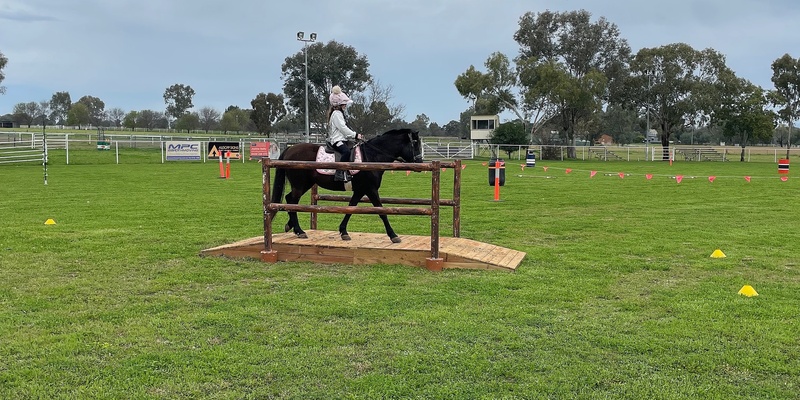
[293, 197]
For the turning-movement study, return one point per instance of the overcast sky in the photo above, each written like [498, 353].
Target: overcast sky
[127, 52]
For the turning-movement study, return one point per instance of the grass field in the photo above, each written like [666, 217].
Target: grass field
[617, 297]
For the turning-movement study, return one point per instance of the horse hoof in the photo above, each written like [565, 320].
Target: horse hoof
[345, 237]
[301, 235]
[287, 228]
[396, 239]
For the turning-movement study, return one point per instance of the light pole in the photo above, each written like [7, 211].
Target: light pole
[647, 133]
[311, 38]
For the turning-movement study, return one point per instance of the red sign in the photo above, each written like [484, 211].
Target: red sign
[259, 149]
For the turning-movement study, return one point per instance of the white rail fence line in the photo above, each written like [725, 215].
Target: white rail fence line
[20, 147]
[23, 148]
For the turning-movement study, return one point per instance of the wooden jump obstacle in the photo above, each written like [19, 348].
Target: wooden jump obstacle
[431, 252]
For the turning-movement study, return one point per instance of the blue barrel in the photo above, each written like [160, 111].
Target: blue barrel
[530, 158]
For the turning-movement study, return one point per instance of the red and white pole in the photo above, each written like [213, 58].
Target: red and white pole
[228, 166]
[221, 167]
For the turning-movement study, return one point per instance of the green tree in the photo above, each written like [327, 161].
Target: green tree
[178, 99]
[622, 124]
[95, 107]
[504, 87]
[60, 104]
[572, 63]
[26, 113]
[786, 78]
[509, 134]
[209, 118]
[676, 84]
[329, 64]
[147, 119]
[188, 122]
[420, 124]
[129, 122]
[116, 115]
[372, 111]
[454, 128]
[234, 120]
[267, 110]
[742, 112]
[3, 62]
[78, 115]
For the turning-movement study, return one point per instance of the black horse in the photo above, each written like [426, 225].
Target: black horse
[399, 144]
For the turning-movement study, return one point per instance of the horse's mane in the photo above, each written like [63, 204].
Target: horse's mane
[402, 131]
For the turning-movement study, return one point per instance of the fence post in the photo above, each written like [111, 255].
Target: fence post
[268, 254]
[434, 263]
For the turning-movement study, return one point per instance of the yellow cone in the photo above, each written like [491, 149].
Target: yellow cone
[748, 291]
[49, 222]
[718, 254]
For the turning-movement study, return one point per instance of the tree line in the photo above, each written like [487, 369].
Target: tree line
[574, 78]
[573, 75]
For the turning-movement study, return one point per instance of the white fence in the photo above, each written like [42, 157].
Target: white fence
[19, 147]
[22, 148]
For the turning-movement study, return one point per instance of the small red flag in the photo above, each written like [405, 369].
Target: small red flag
[568, 170]
[484, 164]
[711, 178]
[649, 176]
[408, 173]
[678, 178]
[592, 174]
[545, 168]
[747, 178]
[463, 166]
[621, 175]
[784, 178]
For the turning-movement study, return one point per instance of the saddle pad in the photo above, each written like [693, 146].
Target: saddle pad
[323, 156]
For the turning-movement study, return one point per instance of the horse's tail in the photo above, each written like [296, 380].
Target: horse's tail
[279, 184]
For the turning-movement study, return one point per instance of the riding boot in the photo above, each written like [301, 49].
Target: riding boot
[341, 176]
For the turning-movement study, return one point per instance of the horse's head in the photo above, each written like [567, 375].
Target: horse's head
[398, 144]
[414, 151]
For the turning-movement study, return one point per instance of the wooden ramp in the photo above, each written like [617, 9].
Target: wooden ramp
[375, 248]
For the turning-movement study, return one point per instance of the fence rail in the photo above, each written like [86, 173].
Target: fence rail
[433, 263]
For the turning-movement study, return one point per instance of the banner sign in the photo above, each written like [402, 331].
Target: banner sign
[217, 149]
[184, 151]
[267, 149]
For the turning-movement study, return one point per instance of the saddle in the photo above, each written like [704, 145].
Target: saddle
[328, 153]
[329, 149]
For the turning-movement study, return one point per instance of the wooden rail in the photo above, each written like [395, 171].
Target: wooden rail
[455, 202]
[433, 263]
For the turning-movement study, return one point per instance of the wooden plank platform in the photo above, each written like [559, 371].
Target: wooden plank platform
[375, 248]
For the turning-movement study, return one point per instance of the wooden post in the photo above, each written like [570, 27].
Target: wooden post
[314, 198]
[434, 263]
[268, 254]
[457, 199]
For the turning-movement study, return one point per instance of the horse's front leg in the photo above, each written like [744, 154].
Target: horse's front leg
[376, 201]
[293, 198]
[343, 225]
